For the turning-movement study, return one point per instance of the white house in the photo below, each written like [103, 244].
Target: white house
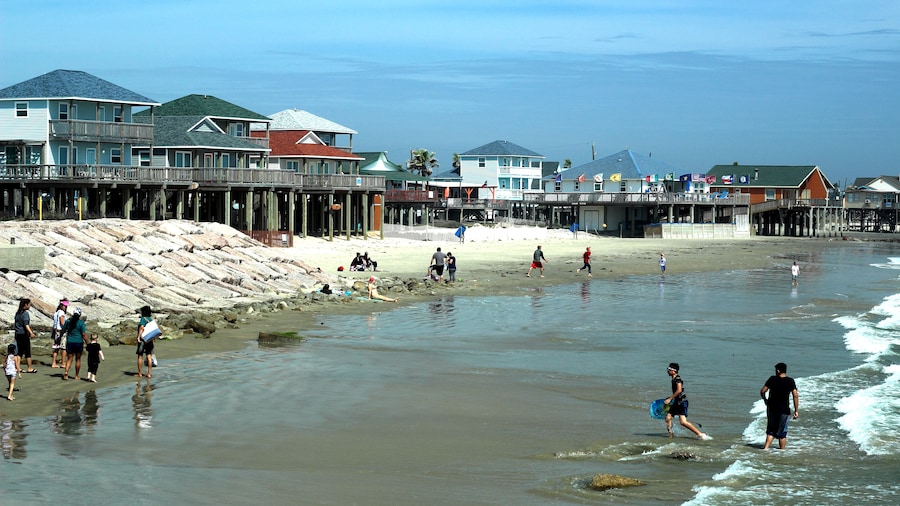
[504, 170]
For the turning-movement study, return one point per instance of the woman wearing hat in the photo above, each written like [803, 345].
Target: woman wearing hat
[75, 332]
[59, 323]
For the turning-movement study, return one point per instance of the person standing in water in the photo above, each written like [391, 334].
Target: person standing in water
[780, 388]
[678, 404]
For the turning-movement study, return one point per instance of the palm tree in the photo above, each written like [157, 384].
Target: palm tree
[456, 162]
[567, 163]
[422, 161]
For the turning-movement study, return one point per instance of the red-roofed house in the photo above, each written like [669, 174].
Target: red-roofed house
[302, 151]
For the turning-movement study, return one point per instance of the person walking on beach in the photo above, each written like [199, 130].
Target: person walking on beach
[437, 264]
[795, 273]
[144, 349]
[24, 334]
[451, 268]
[780, 388]
[12, 369]
[75, 330]
[373, 292]
[95, 356]
[678, 404]
[537, 261]
[59, 323]
[587, 262]
[662, 264]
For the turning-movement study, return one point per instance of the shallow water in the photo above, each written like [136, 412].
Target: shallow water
[510, 400]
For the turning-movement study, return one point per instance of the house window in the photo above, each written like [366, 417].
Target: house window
[63, 155]
[598, 187]
[325, 168]
[293, 165]
[63, 111]
[115, 156]
[481, 162]
[183, 159]
[503, 183]
[577, 185]
[144, 157]
[535, 164]
[557, 186]
[101, 113]
[623, 187]
[770, 193]
[21, 109]
[118, 114]
[236, 129]
[226, 160]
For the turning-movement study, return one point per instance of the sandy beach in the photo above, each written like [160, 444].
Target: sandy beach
[490, 262]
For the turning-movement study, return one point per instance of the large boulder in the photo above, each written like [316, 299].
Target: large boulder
[608, 481]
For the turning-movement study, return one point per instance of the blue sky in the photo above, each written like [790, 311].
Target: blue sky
[694, 83]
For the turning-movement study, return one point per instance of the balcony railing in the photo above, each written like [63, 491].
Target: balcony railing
[576, 198]
[410, 196]
[101, 131]
[209, 176]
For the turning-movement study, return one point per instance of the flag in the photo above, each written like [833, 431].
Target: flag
[652, 178]
[484, 185]
[616, 177]
[581, 178]
[558, 177]
[710, 179]
[460, 231]
[670, 176]
[684, 178]
[745, 179]
[728, 178]
[574, 227]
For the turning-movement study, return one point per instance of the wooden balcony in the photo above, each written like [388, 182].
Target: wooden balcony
[411, 196]
[620, 198]
[101, 131]
[205, 177]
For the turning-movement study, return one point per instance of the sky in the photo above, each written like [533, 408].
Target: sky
[694, 83]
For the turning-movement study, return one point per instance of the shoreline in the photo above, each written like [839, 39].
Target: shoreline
[486, 268]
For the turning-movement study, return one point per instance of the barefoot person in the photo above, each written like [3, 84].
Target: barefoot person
[537, 261]
[75, 335]
[778, 410]
[373, 292]
[144, 349]
[678, 404]
[586, 257]
[12, 370]
[59, 323]
[23, 333]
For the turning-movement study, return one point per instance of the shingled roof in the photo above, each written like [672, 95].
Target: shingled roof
[204, 105]
[501, 148]
[292, 119]
[284, 143]
[626, 162]
[73, 85]
[192, 132]
[767, 176]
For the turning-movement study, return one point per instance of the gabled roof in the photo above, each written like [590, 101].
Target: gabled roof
[885, 184]
[626, 162]
[501, 148]
[196, 132]
[284, 144]
[767, 176]
[292, 119]
[204, 105]
[73, 85]
[548, 168]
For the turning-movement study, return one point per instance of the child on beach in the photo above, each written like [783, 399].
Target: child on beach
[95, 355]
[12, 369]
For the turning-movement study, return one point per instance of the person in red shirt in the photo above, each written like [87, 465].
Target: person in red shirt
[587, 262]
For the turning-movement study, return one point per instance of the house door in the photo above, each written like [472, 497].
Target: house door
[591, 220]
[90, 156]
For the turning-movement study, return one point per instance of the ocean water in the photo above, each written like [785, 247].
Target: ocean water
[510, 400]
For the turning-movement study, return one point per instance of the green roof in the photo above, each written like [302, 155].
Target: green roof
[768, 176]
[175, 131]
[204, 105]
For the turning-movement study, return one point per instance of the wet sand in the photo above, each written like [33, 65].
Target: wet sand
[487, 267]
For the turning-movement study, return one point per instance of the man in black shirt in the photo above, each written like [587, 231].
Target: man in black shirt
[778, 410]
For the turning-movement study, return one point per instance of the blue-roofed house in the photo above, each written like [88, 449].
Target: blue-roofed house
[625, 171]
[68, 120]
[501, 170]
